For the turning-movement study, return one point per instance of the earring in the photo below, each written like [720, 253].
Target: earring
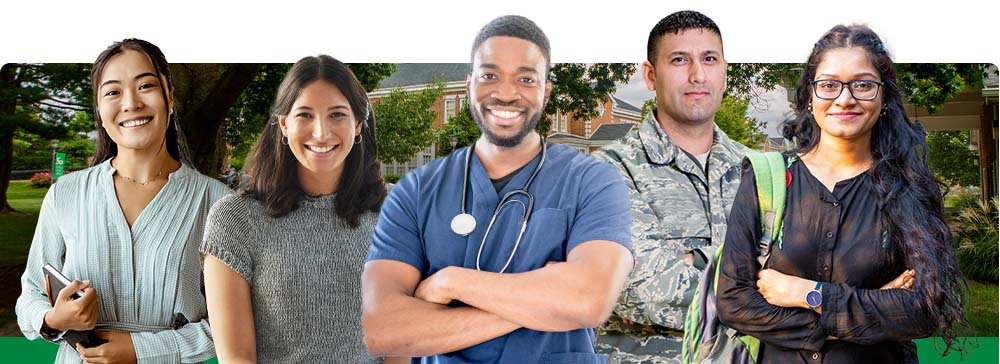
[810, 106]
[284, 140]
[884, 110]
[357, 139]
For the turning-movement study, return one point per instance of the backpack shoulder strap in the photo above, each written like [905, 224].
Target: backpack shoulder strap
[770, 175]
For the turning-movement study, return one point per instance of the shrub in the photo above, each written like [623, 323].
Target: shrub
[975, 232]
[41, 179]
[391, 178]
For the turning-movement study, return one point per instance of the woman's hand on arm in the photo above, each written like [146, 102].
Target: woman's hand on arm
[229, 308]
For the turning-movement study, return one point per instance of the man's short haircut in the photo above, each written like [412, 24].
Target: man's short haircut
[514, 26]
[676, 23]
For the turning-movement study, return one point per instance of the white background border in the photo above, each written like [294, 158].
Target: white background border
[442, 31]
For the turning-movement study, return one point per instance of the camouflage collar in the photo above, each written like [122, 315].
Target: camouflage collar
[661, 150]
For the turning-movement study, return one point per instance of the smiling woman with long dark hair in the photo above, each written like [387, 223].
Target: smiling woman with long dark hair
[866, 262]
[128, 228]
[283, 259]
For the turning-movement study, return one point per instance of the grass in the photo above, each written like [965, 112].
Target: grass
[18, 228]
[982, 309]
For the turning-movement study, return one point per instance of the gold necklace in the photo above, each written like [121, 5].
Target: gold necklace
[158, 173]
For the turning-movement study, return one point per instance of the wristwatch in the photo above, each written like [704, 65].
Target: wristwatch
[815, 297]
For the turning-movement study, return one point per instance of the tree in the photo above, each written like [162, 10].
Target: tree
[462, 128]
[39, 99]
[578, 88]
[951, 159]
[403, 122]
[733, 120]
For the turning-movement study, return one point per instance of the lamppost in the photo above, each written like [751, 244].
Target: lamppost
[54, 143]
[454, 142]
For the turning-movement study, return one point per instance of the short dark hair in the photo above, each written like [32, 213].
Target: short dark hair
[273, 178]
[106, 148]
[676, 23]
[518, 27]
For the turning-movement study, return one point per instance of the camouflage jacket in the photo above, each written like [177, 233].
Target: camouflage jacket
[676, 209]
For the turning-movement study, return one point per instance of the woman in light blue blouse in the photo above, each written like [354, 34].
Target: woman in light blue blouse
[127, 228]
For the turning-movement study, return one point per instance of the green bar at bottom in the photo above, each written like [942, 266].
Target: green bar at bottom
[978, 350]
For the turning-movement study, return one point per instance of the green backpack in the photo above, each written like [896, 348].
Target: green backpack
[706, 340]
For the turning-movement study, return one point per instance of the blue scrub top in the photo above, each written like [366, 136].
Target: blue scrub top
[577, 199]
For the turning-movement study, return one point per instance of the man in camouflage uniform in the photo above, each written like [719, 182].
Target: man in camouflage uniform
[684, 172]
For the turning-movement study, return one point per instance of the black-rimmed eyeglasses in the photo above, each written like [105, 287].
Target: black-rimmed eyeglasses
[865, 90]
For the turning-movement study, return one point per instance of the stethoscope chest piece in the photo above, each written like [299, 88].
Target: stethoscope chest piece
[463, 224]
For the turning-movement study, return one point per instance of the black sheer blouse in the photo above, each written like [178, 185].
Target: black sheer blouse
[834, 238]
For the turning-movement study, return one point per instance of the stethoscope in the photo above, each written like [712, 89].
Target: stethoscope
[464, 223]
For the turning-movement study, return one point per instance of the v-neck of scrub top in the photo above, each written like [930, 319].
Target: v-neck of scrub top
[485, 199]
[483, 186]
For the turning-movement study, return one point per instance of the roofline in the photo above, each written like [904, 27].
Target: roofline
[448, 87]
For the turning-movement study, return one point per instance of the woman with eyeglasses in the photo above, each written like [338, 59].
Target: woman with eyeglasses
[865, 263]
[284, 257]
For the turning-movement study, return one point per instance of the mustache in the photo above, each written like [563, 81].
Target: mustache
[497, 102]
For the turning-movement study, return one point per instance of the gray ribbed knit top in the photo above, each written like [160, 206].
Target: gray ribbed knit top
[304, 271]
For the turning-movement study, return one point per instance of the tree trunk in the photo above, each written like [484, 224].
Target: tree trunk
[204, 93]
[8, 103]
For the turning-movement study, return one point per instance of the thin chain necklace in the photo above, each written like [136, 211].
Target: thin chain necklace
[158, 174]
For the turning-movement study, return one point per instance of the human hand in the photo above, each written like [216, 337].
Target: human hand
[783, 290]
[905, 280]
[70, 313]
[117, 349]
[434, 289]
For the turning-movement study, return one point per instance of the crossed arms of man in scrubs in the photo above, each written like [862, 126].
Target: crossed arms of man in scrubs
[404, 314]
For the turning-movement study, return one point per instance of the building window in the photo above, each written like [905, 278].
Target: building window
[449, 108]
[586, 127]
[562, 125]
[600, 110]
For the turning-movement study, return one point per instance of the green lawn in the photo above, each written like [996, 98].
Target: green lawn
[20, 227]
[982, 309]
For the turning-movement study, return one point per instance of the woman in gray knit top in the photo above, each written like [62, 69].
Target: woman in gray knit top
[284, 257]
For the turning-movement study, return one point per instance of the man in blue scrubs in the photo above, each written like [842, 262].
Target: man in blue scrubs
[431, 292]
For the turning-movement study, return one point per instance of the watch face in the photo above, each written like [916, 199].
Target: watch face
[814, 298]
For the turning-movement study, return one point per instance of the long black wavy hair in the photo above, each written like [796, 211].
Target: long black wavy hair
[912, 209]
[106, 147]
[273, 173]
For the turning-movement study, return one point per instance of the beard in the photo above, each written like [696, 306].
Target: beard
[509, 141]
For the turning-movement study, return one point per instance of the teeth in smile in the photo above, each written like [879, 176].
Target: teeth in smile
[506, 114]
[137, 122]
[320, 149]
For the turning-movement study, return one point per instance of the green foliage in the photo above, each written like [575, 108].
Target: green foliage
[462, 127]
[403, 122]
[31, 151]
[391, 178]
[647, 107]
[733, 120]
[929, 85]
[247, 117]
[577, 88]
[371, 74]
[749, 81]
[951, 159]
[975, 233]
